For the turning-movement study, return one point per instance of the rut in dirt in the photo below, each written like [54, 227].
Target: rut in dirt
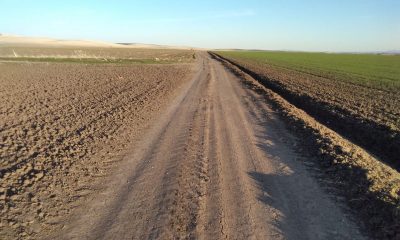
[220, 164]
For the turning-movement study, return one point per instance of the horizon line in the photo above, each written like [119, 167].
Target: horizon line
[392, 51]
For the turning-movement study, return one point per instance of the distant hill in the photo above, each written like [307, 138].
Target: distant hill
[15, 41]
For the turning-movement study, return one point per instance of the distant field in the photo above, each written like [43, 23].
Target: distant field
[373, 70]
[88, 60]
[94, 55]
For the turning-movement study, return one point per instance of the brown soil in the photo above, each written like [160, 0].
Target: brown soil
[63, 126]
[367, 116]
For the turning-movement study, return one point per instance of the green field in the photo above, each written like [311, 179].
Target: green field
[372, 70]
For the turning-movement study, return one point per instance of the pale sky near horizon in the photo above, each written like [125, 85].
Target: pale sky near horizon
[307, 25]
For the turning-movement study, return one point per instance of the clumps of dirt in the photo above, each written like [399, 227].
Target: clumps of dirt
[370, 117]
[63, 127]
[371, 188]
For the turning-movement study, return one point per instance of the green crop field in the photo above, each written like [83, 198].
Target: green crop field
[373, 70]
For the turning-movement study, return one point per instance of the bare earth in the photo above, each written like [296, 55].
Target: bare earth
[64, 126]
[218, 164]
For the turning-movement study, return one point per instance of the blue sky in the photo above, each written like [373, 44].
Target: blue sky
[310, 25]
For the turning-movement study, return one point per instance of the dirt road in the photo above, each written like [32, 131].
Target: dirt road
[218, 165]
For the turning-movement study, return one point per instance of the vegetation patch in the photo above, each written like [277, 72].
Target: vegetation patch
[372, 70]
